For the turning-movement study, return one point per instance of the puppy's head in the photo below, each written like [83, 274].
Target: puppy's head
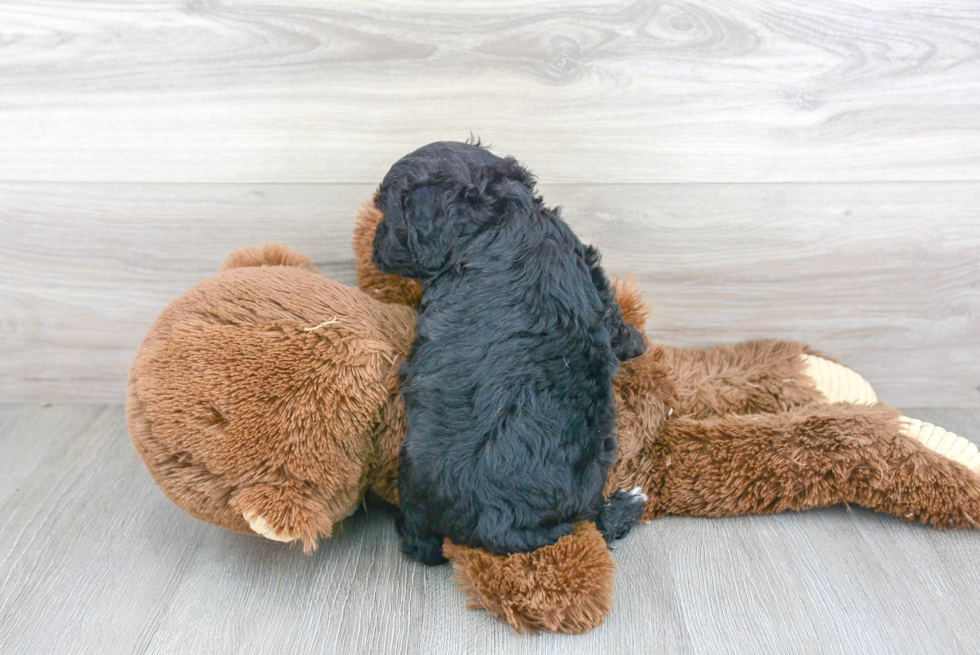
[434, 199]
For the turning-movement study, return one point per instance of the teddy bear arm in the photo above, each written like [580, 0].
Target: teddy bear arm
[184, 478]
[286, 511]
[317, 465]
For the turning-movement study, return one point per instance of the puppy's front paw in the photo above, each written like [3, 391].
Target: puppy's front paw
[628, 343]
[421, 544]
[427, 550]
[637, 495]
[621, 512]
[262, 527]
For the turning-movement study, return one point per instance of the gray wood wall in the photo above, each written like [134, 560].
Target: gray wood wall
[788, 169]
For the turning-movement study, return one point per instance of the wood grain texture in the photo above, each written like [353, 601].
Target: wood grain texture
[884, 277]
[93, 558]
[587, 91]
[85, 269]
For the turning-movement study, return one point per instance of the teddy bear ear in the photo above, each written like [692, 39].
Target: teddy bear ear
[270, 254]
[630, 301]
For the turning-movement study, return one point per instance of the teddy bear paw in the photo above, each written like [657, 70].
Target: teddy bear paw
[262, 527]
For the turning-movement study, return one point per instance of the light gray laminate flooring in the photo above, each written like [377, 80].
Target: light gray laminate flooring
[93, 558]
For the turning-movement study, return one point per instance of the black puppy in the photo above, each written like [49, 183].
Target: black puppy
[508, 385]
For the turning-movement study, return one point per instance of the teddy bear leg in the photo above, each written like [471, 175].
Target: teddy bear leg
[922, 473]
[839, 384]
[747, 378]
[942, 442]
[284, 512]
[813, 457]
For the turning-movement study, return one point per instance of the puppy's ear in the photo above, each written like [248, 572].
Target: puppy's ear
[503, 182]
[432, 229]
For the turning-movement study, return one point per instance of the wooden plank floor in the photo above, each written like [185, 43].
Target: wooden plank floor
[587, 90]
[804, 170]
[93, 558]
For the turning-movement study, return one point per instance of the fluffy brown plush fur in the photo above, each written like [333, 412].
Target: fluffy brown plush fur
[803, 458]
[233, 415]
[565, 587]
[270, 392]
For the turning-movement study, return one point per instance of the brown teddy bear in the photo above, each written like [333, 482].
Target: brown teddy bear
[265, 400]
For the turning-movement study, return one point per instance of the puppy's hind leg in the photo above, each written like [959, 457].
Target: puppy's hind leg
[620, 513]
[418, 541]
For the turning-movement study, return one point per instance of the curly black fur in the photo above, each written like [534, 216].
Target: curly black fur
[508, 385]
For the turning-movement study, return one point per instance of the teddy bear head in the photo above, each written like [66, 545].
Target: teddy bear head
[262, 400]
